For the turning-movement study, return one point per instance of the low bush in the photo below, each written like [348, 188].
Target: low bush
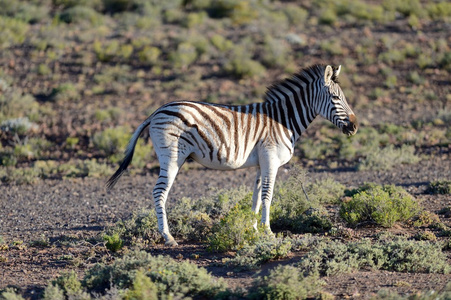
[114, 242]
[141, 227]
[291, 210]
[65, 92]
[240, 12]
[70, 286]
[287, 283]
[81, 14]
[149, 55]
[266, 248]
[188, 219]
[172, 279]
[18, 126]
[399, 254]
[13, 31]
[235, 229]
[221, 43]
[184, 56]
[381, 205]
[275, 53]
[388, 157]
[143, 288]
[14, 104]
[112, 140]
[112, 50]
[439, 187]
[242, 67]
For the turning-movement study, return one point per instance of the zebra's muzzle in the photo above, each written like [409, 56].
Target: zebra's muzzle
[351, 127]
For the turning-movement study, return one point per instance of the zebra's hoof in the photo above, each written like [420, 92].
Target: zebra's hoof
[171, 243]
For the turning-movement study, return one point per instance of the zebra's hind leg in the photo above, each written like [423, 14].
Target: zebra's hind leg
[168, 172]
[257, 196]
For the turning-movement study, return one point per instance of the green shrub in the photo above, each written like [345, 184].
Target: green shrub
[19, 176]
[332, 47]
[327, 16]
[24, 11]
[221, 43]
[172, 278]
[425, 219]
[112, 140]
[53, 292]
[18, 126]
[382, 205]
[240, 12]
[440, 10]
[14, 104]
[143, 288]
[285, 283]
[10, 294]
[251, 256]
[326, 191]
[107, 51]
[188, 219]
[439, 187]
[291, 210]
[235, 229]
[194, 19]
[141, 227]
[242, 67]
[275, 52]
[69, 284]
[388, 157]
[149, 55]
[400, 255]
[184, 56]
[114, 242]
[65, 92]
[81, 14]
[297, 16]
[289, 201]
[13, 31]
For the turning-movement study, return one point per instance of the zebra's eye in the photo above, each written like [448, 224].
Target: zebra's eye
[335, 97]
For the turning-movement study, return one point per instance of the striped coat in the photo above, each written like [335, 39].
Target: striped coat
[226, 137]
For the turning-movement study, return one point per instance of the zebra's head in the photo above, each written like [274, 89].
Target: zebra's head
[335, 108]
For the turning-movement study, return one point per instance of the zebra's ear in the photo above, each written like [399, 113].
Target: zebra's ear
[336, 71]
[328, 74]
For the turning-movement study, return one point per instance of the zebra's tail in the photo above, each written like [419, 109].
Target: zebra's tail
[128, 154]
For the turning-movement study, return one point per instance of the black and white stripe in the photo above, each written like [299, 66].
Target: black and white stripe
[228, 137]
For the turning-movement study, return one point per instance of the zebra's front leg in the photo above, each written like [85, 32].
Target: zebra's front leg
[268, 180]
[257, 196]
[160, 195]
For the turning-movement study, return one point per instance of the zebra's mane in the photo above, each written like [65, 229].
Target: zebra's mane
[314, 71]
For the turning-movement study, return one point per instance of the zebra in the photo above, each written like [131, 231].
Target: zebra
[227, 137]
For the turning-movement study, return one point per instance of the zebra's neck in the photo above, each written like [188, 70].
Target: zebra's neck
[292, 101]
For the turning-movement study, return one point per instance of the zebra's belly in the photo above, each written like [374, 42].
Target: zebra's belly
[222, 163]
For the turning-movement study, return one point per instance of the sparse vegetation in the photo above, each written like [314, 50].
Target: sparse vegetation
[401, 255]
[76, 77]
[440, 187]
[171, 278]
[382, 205]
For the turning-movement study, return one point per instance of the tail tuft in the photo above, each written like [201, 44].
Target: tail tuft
[113, 179]
[128, 155]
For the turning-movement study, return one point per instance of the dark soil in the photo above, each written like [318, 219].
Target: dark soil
[77, 210]
[54, 225]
